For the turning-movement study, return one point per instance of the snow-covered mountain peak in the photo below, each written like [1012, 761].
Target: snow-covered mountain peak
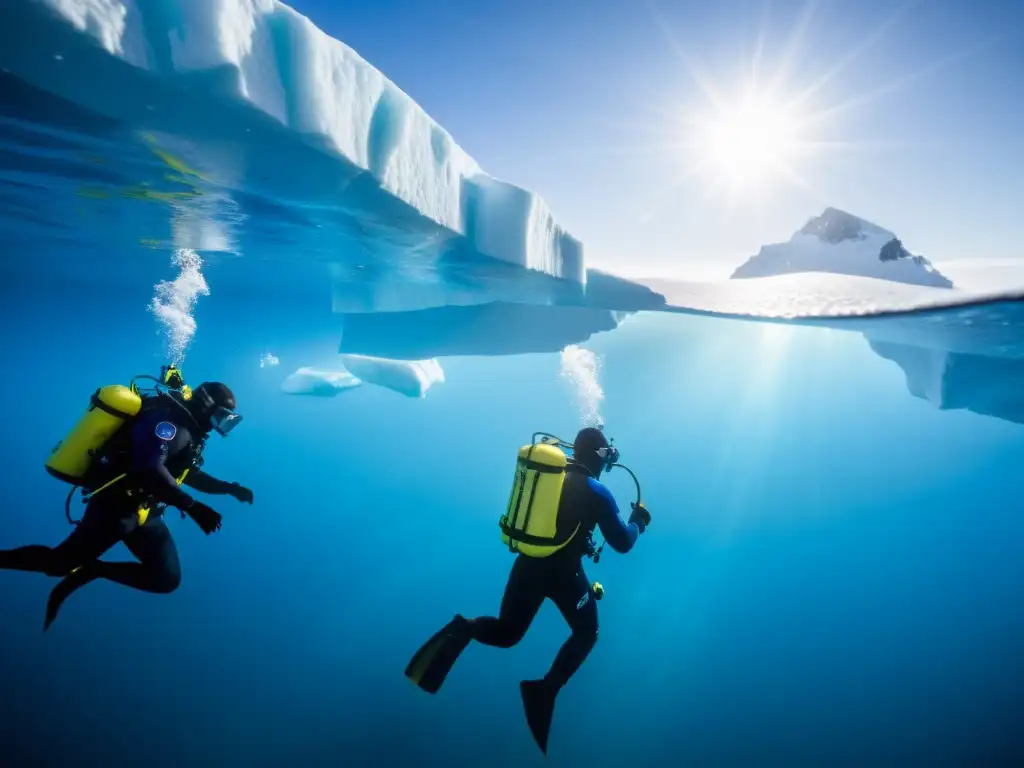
[841, 243]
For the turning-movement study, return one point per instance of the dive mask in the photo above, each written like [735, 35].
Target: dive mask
[609, 456]
[223, 420]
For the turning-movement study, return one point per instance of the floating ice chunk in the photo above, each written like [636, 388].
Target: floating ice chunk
[410, 378]
[318, 382]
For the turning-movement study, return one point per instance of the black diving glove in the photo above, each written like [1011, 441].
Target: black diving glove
[640, 516]
[205, 517]
[241, 493]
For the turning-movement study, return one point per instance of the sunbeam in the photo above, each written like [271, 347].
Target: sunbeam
[747, 140]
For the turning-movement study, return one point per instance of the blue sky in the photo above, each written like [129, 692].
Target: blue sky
[912, 116]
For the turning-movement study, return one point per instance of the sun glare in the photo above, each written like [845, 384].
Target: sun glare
[780, 118]
[749, 141]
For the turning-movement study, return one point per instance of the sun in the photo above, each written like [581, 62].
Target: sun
[748, 142]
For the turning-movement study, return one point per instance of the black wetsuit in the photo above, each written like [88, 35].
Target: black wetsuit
[154, 449]
[560, 577]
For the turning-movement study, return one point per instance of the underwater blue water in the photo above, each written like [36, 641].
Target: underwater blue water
[832, 577]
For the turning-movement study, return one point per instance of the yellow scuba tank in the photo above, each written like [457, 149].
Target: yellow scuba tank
[109, 408]
[530, 523]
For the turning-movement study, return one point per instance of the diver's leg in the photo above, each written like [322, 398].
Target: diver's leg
[158, 569]
[524, 594]
[36, 558]
[99, 530]
[431, 664]
[571, 592]
[575, 599]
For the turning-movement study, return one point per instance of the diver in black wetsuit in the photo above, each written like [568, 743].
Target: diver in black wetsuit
[558, 577]
[154, 450]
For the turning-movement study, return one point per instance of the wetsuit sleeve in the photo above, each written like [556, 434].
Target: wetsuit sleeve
[205, 483]
[150, 448]
[618, 534]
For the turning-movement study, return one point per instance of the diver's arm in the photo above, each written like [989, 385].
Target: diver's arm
[205, 483]
[618, 534]
[157, 480]
[149, 468]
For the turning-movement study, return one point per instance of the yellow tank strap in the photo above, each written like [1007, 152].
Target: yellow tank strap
[143, 511]
[104, 487]
[518, 537]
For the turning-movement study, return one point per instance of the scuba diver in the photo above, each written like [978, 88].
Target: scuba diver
[555, 506]
[129, 454]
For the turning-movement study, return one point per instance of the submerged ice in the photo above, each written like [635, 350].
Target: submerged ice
[989, 386]
[411, 378]
[494, 328]
[318, 382]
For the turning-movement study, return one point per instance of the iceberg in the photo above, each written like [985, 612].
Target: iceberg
[357, 290]
[484, 329]
[988, 386]
[409, 378]
[214, 83]
[318, 382]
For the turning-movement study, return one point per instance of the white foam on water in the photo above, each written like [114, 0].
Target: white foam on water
[268, 360]
[174, 301]
[580, 368]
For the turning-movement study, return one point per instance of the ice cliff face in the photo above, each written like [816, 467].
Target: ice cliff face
[222, 73]
[841, 243]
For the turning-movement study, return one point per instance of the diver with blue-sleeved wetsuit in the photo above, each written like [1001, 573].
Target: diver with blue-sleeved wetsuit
[548, 567]
[130, 454]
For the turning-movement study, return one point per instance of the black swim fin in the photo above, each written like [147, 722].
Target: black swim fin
[539, 703]
[432, 663]
[75, 580]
